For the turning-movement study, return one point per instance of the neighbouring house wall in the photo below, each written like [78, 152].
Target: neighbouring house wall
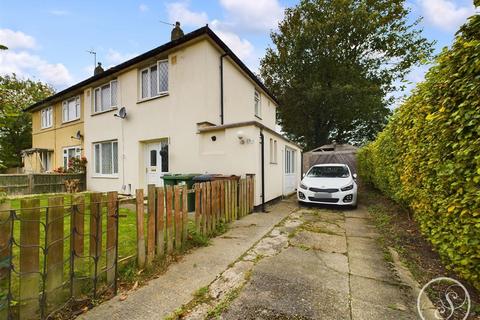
[59, 135]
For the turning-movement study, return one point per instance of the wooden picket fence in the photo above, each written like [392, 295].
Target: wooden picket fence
[166, 216]
[66, 248]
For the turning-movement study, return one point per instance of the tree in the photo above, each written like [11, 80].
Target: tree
[2, 47]
[15, 125]
[333, 64]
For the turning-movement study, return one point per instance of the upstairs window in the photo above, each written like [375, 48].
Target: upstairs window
[71, 109]
[46, 117]
[258, 104]
[105, 97]
[154, 80]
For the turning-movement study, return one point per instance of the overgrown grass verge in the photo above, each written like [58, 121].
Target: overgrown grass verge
[401, 232]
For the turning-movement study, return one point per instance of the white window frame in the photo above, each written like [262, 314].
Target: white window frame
[275, 151]
[78, 154]
[290, 161]
[149, 83]
[46, 160]
[78, 110]
[257, 102]
[100, 173]
[99, 89]
[46, 117]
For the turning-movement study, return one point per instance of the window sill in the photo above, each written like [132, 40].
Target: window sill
[153, 98]
[105, 177]
[258, 117]
[46, 128]
[73, 120]
[104, 111]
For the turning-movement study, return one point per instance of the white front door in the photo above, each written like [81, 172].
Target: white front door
[290, 176]
[156, 162]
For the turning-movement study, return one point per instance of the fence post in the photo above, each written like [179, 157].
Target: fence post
[198, 196]
[30, 183]
[77, 226]
[112, 234]
[178, 219]
[184, 216]
[214, 205]
[160, 223]
[29, 258]
[6, 219]
[208, 212]
[54, 249]
[203, 208]
[169, 219]
[96, 214]
[222, 200]
[151, 224]
[140, 228]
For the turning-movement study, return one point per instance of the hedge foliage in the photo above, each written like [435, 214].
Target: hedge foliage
[428, 156]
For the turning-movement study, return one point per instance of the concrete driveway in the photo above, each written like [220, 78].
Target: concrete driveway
[329, 267]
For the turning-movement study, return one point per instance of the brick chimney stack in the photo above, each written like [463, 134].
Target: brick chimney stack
[177, 32]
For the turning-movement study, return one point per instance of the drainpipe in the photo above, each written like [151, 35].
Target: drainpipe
[221, 88]
[262, 143]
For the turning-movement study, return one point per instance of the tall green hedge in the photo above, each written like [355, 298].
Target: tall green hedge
[428, 156]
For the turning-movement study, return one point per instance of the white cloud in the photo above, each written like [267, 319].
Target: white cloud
[179, 11]
[57, 12]
[241, 47]
[19, 60]
[253, 15]
[16, 39]
[114, 57]
[445, 14]
[143, 7]
[28, 65]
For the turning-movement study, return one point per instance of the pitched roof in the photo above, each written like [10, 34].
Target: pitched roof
[167, 46]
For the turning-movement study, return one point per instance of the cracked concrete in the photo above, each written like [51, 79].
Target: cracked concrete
[333, 268]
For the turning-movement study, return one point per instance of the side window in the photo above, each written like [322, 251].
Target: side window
[258, 104]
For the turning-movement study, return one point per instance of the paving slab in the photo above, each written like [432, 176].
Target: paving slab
[362, 310]
[320, 241]
[295, 284]
[163, 295]
[356, 227]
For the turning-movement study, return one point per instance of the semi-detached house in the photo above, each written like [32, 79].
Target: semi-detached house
[191, 107]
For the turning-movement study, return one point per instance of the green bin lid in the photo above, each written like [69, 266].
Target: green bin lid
[180, 176]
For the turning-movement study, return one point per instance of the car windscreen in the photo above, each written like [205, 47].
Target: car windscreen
[328, 172]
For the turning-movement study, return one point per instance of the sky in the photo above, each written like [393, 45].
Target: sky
[48, 40]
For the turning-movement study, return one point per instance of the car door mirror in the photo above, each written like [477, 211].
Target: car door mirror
[354, 176]
[303, 175]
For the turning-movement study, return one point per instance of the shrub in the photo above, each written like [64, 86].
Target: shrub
[428, 156]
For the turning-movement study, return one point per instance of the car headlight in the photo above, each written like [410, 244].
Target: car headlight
[303, 186]
[349, 187]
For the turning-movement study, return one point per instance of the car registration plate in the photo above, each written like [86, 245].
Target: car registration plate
[323, 195]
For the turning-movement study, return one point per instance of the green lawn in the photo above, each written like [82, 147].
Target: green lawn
[83, 266]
